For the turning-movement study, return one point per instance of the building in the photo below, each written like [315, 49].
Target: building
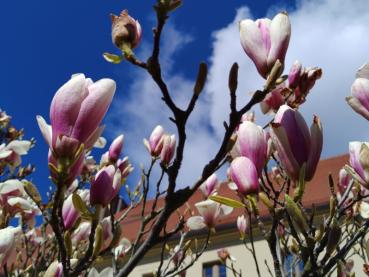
[317, 193]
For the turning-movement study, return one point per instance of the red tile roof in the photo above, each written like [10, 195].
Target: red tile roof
[317, 192]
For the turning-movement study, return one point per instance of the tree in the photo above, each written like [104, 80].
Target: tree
[80, 227]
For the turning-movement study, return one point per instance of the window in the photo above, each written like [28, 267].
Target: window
[293, 265]
[215, 269]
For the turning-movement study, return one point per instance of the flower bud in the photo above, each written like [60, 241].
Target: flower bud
[252, 144]
[167, 153]
[210, 186]
[294, 75]
[273, 100]
[243, 225]
[115, 148]
[244, 174]
[265, 41]
[294, 143]
[359, 99]
[105, 186]
[359, 161]
[69, 213]
[155, 143]
[126, 31]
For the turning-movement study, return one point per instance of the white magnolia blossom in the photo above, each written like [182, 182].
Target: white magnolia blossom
[7, 241]
[123, 248]
[210, 212]
[14, 150]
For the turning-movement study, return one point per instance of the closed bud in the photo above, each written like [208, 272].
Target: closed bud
[333, 237]
[126, 31]
[99, 240]
[296, 213]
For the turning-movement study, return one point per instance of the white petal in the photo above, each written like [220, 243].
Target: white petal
[20, 147]
[364, 210]
[196, 223]
[12, 185]
[45, 129]
[100, 143]
[363, 71]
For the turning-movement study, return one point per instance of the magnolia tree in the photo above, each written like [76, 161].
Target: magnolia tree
[82, 235]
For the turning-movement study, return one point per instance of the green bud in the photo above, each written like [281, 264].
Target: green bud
[98, 240]
[296, 213]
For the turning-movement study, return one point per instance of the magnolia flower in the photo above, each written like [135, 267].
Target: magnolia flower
[74, 171]
[359, 99]
[76, 112]
[252, 144]
[364, 209]
[343, 180]
[69, 213]
[122, 249]
[155, 143]
[243, 225]
[301, 81]
[265, 41]
[273, 100]
[210, 212]
[81, 233]
[13, 151]
[105, 186]
[126, 31]
[125, 167]
[115, 148]
[244, 175]
[10, 188]
[210, 186]
[294, 143]
[294, 75]
[167, 153]
[24, 208]
[359, 161]
[7, 242]
[224, 255]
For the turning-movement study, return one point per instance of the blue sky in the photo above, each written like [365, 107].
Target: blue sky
[45, 42]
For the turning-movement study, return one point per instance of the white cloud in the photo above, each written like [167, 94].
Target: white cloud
[332, 34]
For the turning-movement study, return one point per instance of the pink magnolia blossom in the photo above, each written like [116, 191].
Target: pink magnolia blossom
[76, 112]
[69, 212]
[273, 100]
[13, 151]
[253, 144]
[265, 41]
[294, 144]
[245, 176]
[359, 99]
[74, 171]
[210, 212]
[167, 153]
[344, 180]
[155, 143]
[105, 186]
[294, 75]
[115, 148]
[243, 225]
[359, 161]
[210, 186]
[10, 188]
[8, 237]
[125, 167]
